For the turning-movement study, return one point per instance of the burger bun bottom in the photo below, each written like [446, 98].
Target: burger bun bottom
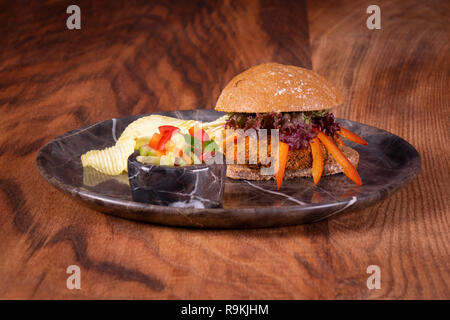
[330, 167]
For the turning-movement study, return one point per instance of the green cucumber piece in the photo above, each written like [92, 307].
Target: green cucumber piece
[196, 159]
[190, 140]
[147, 151]
[209, 146]
[148, 160]
[167, 160]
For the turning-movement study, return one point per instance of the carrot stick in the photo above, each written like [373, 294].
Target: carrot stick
[337, 154]
[229, 138]
[283, 149]
[347, 134]
[339, 140]
[317, 165]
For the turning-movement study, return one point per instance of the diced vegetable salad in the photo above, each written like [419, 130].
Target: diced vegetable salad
[170, 147]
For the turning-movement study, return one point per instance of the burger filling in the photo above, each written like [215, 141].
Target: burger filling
[295, 128]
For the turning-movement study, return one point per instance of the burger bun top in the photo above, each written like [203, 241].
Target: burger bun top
[274, 87]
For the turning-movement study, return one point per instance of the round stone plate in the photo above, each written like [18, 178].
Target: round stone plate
[385, 165]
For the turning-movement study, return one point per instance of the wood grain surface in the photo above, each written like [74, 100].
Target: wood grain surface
[133, 57]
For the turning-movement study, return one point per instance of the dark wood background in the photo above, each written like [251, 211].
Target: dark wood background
[134, 57]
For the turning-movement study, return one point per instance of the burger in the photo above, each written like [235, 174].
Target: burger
[297, 102]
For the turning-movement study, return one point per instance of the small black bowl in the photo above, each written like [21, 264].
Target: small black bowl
[196, 186]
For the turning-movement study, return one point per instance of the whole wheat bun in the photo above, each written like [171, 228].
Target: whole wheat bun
[280, 88]
[330, 167]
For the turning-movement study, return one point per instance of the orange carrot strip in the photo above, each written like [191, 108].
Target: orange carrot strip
[337, 154]
[317, 165]
[153, 143]
[338, 140]
[347, 134]
[282, 159]
[229, 138]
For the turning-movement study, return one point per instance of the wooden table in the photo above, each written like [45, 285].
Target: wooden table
[130, 58]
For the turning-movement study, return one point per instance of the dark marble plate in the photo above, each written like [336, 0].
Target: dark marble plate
[387, 164]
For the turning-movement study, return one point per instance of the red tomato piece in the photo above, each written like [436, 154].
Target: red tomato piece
[167, 129]
[166, 132]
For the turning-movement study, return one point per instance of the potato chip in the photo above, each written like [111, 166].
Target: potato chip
[111, 160]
